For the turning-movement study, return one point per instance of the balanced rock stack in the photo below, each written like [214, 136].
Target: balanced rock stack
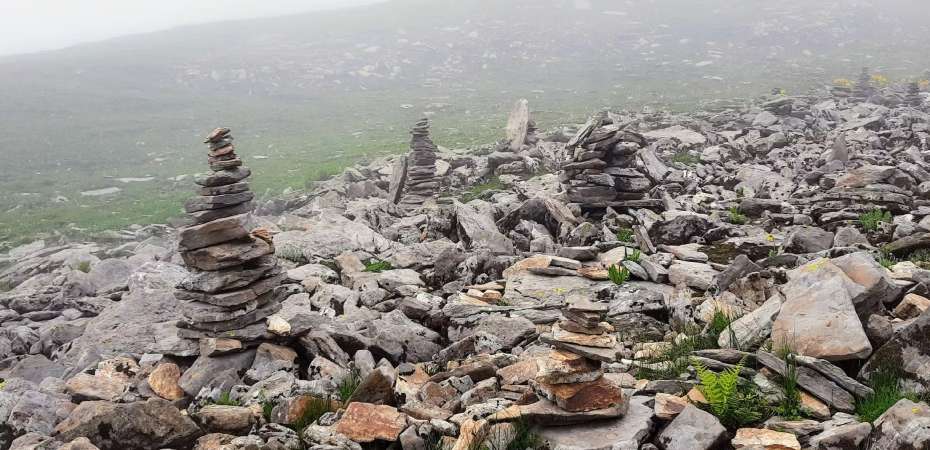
[863, 87]
[421, 183]
[913, 97]
[570, 377]
[604, 167]
[234, 274]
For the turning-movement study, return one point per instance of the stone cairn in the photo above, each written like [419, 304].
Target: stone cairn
[421, 183]
[510, 157]
[912, 97]
[234, 275]
[571, 377]
[609, 166]
[862, 90]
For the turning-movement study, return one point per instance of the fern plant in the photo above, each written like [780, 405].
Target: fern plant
[618, 275]
[734, 405]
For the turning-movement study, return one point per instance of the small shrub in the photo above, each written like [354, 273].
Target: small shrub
[625, 235]
[618, 275]
[886, 382]
[736, 217]
[634, 256]
[226, 400]
[348, 385]
[871, 220]
[719, 323]
[377, 266]
[685, 157]
[735, 405]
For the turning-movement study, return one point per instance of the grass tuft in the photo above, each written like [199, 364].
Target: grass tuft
[871, 220]
[685, 157]
[348, 385]
[377, 266]
[789, 406]
[316, 409]
[226, 399]
[736, 217]
[619, 275]
[634, 256]
[886, 382]
[625, 235]
[483, 190]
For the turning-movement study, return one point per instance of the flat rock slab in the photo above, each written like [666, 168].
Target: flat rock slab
[223, 177]
[227, 255]
[364, 422]
[215, 232]
[625, 433]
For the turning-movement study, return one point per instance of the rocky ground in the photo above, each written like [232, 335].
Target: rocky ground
[751, 276]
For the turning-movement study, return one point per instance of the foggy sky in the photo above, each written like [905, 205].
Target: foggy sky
[34, 25]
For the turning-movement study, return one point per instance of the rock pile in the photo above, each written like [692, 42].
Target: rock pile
[862, 90]
[610, 166]
[234, 273]
[570, 377]
[913, 96]
[421, 183]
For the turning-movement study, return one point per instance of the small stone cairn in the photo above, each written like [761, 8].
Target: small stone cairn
[234, 275]
[863, 89]
[570, 377]
[421, 183]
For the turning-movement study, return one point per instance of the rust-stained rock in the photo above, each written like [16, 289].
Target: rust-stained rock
[581, 397]
[364, 422]
[164, 381]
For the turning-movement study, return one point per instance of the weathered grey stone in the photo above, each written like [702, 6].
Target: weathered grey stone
[906, 425]
[149, 425]
[693, 429]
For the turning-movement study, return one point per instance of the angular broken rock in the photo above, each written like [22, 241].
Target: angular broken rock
[227, 254]
[692, 429]
[762, 439]
[584, 396]
[561, 367]
[364, 422]
[164, 381]
[150, 425]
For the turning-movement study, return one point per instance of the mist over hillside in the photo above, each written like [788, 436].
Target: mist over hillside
[314, 92]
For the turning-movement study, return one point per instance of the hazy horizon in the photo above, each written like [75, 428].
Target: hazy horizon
[47, 25]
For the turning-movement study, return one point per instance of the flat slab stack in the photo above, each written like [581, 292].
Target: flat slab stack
[570, 378]
[234, 275]
[421, 183]
[610, 166]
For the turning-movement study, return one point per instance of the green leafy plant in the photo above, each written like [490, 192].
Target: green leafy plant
[2, 384]
[290, 253]
[789, 405]
[719, 323]
[733, 404]
[377, 266]
[226, 399]
[625, 235]
[348, 385]
[886, 382]
[633, 256]
[870, 221]
[685, 157]
[736, 217]
[773, 252]
[83, 266]
[618, 275]
[672, 361]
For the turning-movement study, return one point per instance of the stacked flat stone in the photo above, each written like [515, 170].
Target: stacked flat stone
[913, 97]
[421, 183]
[862, 90]
[571, 376]
[234, 276]
[605, 166]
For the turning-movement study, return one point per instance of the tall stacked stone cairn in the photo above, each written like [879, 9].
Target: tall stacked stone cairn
[421, 183]
[610, 166]
[570, 378]
[912, 97]
[863, 89]
[234, 275]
